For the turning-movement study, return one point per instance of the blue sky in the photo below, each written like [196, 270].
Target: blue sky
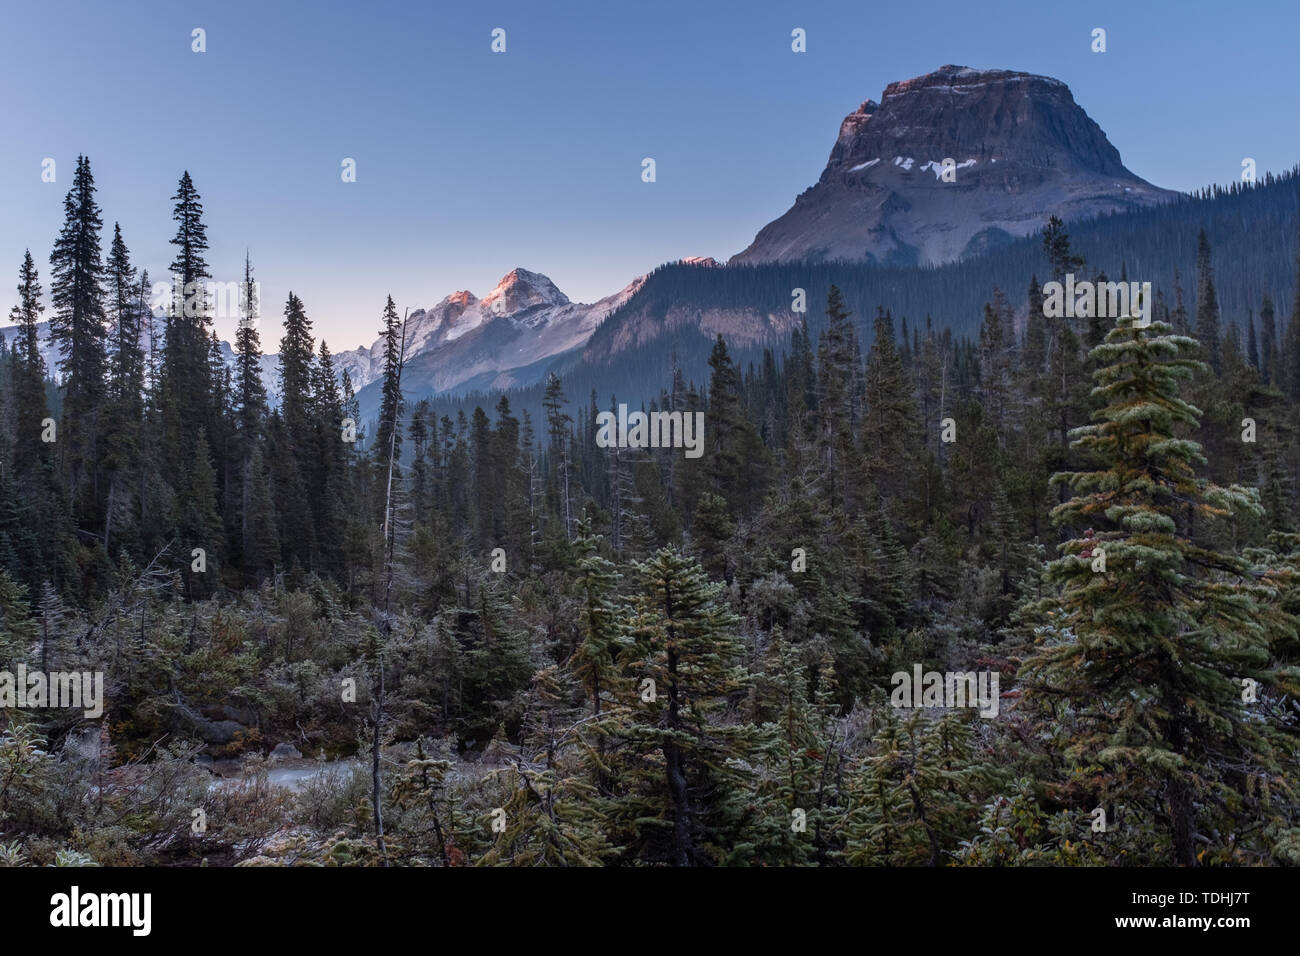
[470, 163]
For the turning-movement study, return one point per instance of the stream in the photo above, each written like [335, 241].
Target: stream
[289, 774]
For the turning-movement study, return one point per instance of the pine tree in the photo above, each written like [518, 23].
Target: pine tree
[1152, 629]
[250, 392]
[734, 462]
[200, 523]
[1268, 344]
[1056, 243]
[386, 457]
[29, 381]
[553, 812]
[686, 795]
[418, 432]
[126, 392]
[1252, 344]
[31, 529]
[390, 408]
[803, 755]
[1207, 306]
[328, 479]
[487, 527]
[186, 374]
[250, 409]
[511, 507]
[1035, 334]
[1179, 316]
[297, 358]
[915, 793]
[297, 527]
[838, 380]
[1290, 351]
[600, 619]
[557, 427]
[77, 328]
[1066, 385]
[889, 415]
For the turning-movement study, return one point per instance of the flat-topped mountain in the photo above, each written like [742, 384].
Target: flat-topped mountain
[1021, 150]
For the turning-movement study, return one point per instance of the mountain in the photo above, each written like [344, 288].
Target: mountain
[500, 341]
[1021, 150]
[698, 313]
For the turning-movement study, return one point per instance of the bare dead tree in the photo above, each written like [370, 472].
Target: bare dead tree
[385, 619]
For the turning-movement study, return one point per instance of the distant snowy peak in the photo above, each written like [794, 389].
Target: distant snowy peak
[521, 290]
[707, 261]
[525, 319]
[455, 315]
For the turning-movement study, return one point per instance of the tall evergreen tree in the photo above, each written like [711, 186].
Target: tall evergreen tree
[889, 414]
[1268, 339]
[685, 786]
[126, 392]
[185, 364]
[558, 422]
[1153, 630]
[1056, 243]
[838, 381]
[250, 409]
[1207, 306]
[390, 408]
[734, 462]
[295, 413]
[29, 381]
[1035, 333]
[1252, 344]
[77, 329]
[1290, 360]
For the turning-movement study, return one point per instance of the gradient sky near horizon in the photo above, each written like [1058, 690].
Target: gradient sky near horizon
[471, 163]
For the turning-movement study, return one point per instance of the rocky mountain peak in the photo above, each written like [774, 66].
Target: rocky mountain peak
[1019, 148]
[520, 290]
[956, 112]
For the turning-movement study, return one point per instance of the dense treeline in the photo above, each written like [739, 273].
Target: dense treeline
[1250, 225]
[550, 651]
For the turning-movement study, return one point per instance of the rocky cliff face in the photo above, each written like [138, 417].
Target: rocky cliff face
[1021, 150]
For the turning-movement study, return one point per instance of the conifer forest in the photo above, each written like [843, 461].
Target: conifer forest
[953, 577]
[632, 656]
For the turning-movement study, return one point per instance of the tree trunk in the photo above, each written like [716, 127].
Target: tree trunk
[376, 780]
[683, 850]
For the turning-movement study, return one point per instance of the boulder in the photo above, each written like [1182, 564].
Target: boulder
[218, 731]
